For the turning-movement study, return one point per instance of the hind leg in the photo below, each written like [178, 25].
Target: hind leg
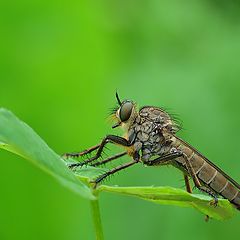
[187, 183]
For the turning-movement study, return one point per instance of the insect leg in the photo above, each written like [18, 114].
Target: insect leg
[167, 158]
[79, 154]
[108, 159]
[187, 183]
[118, 168]
[213, 202]
[207, 190]
[163, 159]
[197, 182]
[191, 171]
[109, 138]
[171, 156]
[175, 154]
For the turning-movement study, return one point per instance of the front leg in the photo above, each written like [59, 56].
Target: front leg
[80, 154]
[109, 138]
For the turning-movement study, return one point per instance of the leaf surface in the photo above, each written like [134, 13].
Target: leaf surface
[176, 197]
[17, 137]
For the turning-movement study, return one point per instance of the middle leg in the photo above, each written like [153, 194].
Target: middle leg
[80, 154]
[108, 159]
[109, 138]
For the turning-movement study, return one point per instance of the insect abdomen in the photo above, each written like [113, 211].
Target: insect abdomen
[209, 175]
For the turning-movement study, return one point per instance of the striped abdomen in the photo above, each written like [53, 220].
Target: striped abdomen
[209, 174]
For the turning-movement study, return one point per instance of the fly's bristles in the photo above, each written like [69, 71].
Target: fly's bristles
[113, 110]
[111, 118]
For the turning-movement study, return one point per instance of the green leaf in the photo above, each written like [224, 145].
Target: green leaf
[19, 138]
[88, 172]
[177, 197]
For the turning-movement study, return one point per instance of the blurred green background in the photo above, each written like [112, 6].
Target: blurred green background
[61, 62]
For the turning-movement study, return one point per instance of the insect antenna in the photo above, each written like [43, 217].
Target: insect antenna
[118, 99]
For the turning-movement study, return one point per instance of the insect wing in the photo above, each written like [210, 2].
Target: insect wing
[212, 164]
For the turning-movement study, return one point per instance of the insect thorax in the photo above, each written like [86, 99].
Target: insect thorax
[147, 132]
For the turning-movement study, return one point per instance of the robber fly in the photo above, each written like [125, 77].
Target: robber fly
[151, 139]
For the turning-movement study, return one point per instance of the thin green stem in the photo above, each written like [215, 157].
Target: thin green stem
[97, 219]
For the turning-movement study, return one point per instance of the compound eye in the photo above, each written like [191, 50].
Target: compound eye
[125, 111]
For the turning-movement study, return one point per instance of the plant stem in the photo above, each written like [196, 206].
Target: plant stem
[97, 219]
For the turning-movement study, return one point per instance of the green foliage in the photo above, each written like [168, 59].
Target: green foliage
[61, 62]
[176, 197]
[19, 138]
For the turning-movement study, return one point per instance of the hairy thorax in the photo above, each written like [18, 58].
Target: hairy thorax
[148, 133]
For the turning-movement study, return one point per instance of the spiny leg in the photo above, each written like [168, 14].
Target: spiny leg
[112, 171]
[80, 154]
[116, 169]
[107, 139]
[108, 159]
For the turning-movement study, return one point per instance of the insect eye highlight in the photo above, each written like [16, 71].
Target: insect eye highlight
[125, 111]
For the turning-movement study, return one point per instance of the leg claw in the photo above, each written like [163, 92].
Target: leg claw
[214, 202]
